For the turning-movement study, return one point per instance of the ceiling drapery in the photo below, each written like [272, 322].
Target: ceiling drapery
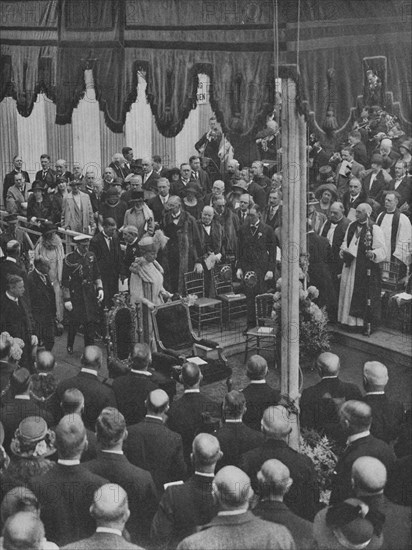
[47, 44]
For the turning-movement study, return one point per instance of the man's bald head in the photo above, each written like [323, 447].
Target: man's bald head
[274, 479]
[328, 364]
[23, 530]
[92, 357]
[276, 422]
[45, 361]
[191, 375]
[355, 416]
[205, 450]
[232, 488]
[71, 437]
[110, 506]
[368, 475]
[72, 401]
[256, 367]
[157, 402]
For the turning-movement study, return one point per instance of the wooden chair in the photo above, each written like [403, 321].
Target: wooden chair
[234, 305]
[175, 337]
[204, 310]
[264, 329]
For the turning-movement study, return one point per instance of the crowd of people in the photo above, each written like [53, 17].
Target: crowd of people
[86, 463]
[94, 463]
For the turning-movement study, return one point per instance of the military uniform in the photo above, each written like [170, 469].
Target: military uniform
[80, 278]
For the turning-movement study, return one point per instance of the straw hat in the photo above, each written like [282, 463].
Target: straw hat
[33, 439]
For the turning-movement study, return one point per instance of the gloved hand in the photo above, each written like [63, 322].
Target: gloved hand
[68, 306]
[218, 257]
[34, 340]
[269, 275]
[239, 273]
[100, 295]
[198, 268]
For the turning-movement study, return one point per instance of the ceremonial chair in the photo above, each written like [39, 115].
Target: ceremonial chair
[175, 337]
[234, 305]
[124, 329]
[264, 329]
[204, 310]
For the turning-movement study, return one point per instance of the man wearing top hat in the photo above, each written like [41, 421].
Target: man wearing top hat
[82, 291]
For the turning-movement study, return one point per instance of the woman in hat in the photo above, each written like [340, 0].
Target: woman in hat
[405, 149]
[192, 202]
[146, 280]
[326, 194]
[39, 205]
[50, 248]
[31, 447]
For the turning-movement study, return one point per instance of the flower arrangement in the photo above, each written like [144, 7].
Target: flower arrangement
[320, 450]
[313, 333]
[189, 300]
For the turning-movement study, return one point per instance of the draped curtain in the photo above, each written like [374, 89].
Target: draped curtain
[47, 44]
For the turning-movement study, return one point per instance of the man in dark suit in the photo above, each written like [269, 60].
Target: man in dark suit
[106, 247]
[131, 238]
[130, 164]
[211, 239]
[273, 212]
[303, 496]
[348, 168]
[46, 174]
[334, 230]
[319, 403]
[257, 254]
[9, 178]
[66, 492]
[234, 436]
[18, 404]
[402, 183]
[12, 264]
[111, 464]
[199, 175]
[132, 389]
[356, 419]
[235, 526]
[157, 204]
[368, 483]
[16, 319]
[374, 183]
[258, 394]
[274, 483]
[387, 415]
[179, 188]
[353, 198]
[97, 395]
[110, 510]
[72, 402]
[43, 302]
[160, 170]
[209, 143]
[119, 166]
[6, 368]
[153, 447]
[150, 178]
[358, 148]
[62, 172]
[185, 506]
[185, 414]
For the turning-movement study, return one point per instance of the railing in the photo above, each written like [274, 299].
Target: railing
[28, 230]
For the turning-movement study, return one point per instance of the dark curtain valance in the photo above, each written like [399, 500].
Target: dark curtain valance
[47, 44]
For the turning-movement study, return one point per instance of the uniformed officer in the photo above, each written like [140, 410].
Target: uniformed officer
[82, 291]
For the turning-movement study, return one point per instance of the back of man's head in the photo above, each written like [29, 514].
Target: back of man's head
[71, 438]
[110, 428]
[19, 499]
[140, 357]
[72, 401]
[328, 364]
[45, 361]
[375, 376]
[368, 476]
[256, 367]
[191, 375]
[234, 404]
[355, 416]
[23, 531]
[20, 381]
[110, 507]
[274, 479]
[232, 489]
[92, 358]
[276, 423]
[5, 347]
[205, 451]
[157, 402]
